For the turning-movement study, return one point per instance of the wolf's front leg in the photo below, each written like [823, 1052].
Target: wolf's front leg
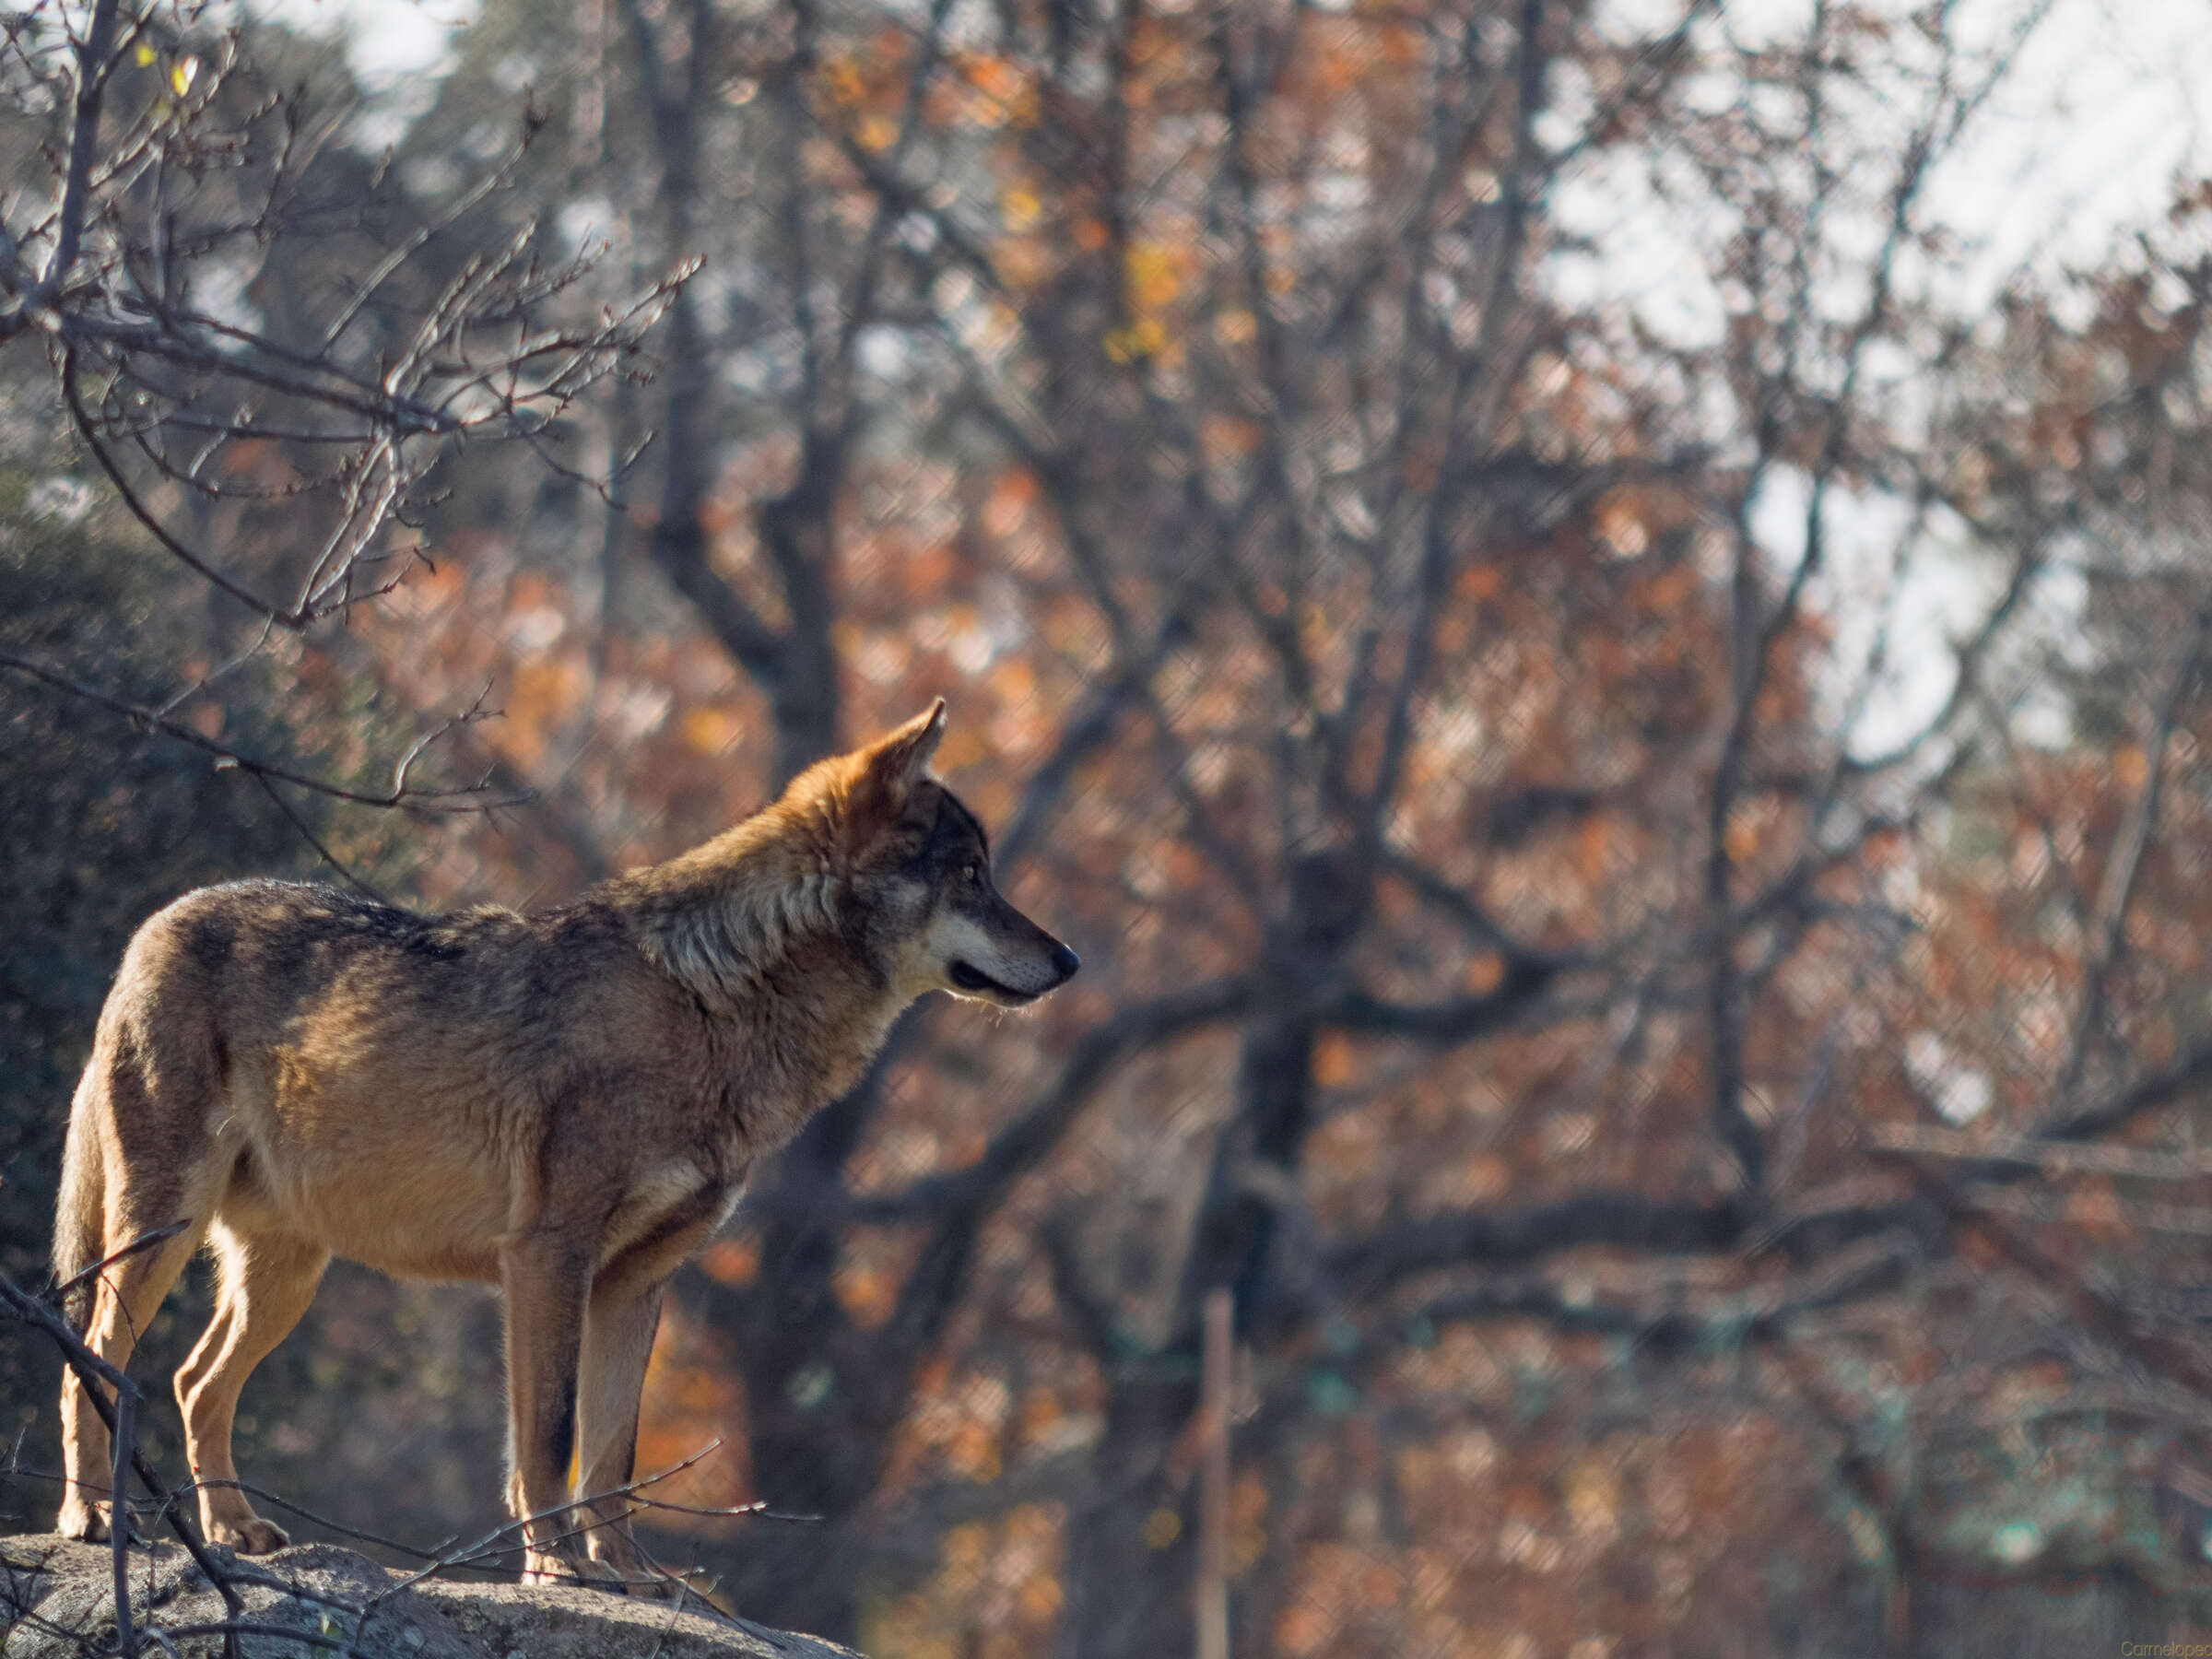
[545, 1278]
[619, 1328]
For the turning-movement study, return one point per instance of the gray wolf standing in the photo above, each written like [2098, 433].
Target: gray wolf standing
[565, 1103]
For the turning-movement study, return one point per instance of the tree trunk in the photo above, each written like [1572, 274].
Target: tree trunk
[820, 1406]
[1128, 1579]
[798, 534]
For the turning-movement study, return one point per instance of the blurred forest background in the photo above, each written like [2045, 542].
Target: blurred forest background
[1612, 693]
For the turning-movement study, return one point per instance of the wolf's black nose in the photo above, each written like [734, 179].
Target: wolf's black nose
[1066, 962]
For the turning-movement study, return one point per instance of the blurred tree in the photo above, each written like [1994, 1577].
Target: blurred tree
[1628, 778]
[98, 826]
[263, 345]
[1501, 844]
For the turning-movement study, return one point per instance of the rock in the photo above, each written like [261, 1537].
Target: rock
[57, 1602]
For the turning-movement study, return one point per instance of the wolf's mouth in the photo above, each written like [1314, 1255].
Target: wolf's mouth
[971, 978]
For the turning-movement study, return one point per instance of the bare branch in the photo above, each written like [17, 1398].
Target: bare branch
[2117, 891]
[475, 798]
[2035, 1152]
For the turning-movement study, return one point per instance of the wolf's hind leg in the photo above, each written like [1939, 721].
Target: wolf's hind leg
[128, 1295]
[264, 1284]
[619, 1326]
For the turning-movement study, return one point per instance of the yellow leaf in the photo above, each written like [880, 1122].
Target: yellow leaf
[1479, 581]
[973, 1454]
[1039, 1598]
[865, 1292]
[1143, 338]
[1040, 1411]
[842, 82]
[1153, 273]
[710, 731]
[999, 93]
[1485, 973]
[1235, 326]
[1742, 839]
[734, 1262]
[1228, 437]
[1020, 208]
[145, 54]
[1008, 502]
[995, 77]
[966, 1551]
[183, 74]
[1015, 681]
[1333, 1060]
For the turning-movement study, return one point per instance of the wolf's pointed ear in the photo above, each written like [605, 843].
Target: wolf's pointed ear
[896, 763]
[890, 768]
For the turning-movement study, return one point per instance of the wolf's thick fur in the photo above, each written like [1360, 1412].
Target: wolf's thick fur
[567, 1104]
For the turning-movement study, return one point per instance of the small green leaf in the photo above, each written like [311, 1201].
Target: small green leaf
[1330, 1394]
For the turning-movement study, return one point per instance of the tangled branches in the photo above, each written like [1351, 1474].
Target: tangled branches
[249, 321]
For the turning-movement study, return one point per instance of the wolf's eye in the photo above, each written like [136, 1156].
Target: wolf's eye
[969, 873]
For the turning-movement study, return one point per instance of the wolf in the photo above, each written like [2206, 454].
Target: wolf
[566, 1104]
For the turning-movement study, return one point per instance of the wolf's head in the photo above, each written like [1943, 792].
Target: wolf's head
[920, 901]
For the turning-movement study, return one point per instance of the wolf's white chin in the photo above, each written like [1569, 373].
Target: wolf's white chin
[963, 978]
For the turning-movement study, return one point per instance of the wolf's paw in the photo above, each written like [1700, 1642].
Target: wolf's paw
[250, 1536]
[82, 1520]
[648, 1581]
[662, 1586]
[615, 1563]
[547, 1567]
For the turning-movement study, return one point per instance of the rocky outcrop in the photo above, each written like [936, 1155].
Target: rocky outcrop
[57, 1599]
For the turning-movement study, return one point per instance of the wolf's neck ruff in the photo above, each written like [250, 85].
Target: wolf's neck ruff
[725, 919]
